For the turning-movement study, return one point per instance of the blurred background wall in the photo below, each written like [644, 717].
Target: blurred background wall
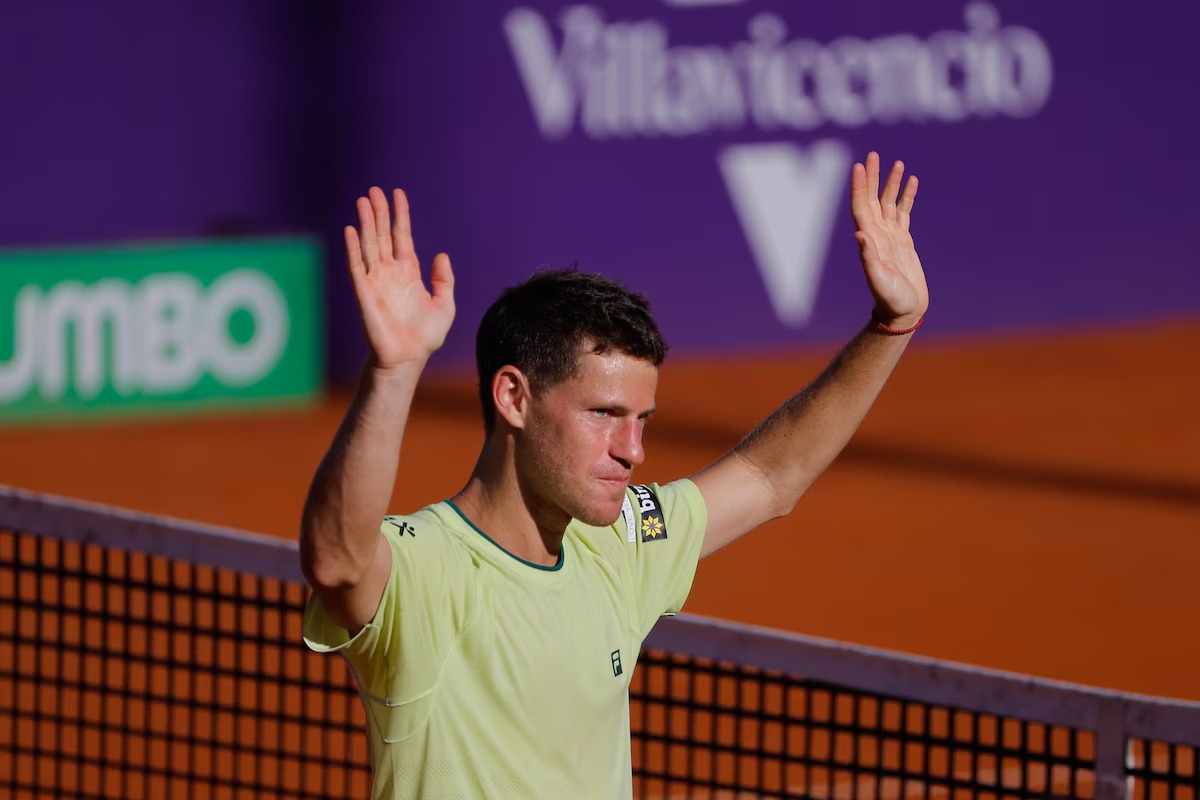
[1024, 495]
[697, 149]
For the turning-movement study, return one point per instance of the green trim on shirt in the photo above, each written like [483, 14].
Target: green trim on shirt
[474, 527]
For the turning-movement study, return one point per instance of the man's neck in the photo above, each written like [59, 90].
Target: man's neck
[496, 502]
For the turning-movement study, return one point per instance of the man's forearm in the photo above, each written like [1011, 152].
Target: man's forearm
[353, 484]
[797, 442]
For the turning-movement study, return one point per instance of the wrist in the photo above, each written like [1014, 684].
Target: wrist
[401, 371]
[897, 326]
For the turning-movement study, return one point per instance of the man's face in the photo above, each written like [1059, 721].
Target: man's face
[584, 436]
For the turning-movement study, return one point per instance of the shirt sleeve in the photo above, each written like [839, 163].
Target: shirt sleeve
[424, 608]
[665, 527]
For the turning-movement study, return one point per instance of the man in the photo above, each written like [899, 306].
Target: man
[493, 635]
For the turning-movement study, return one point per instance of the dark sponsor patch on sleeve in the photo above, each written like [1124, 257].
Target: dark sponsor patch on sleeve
[651, 522]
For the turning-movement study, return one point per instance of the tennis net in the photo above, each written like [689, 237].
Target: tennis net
[146, 657]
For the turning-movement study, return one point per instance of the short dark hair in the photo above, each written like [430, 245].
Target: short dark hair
[541, 325]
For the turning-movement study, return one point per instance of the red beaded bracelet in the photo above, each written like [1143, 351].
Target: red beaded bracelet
[881, 325]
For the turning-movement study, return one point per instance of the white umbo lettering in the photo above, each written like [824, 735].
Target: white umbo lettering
[251, 291]
[158, 336]
[167, 311]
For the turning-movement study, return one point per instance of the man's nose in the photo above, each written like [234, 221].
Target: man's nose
[628, 445]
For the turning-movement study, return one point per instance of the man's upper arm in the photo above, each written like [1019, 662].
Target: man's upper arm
[354, 606]
[663, 543]
[424, 601]
[358, 621]
[427, 601]
[739, 498]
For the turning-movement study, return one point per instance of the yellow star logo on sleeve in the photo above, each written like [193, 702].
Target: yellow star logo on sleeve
[652, 527]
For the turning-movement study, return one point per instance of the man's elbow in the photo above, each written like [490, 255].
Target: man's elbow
[322, 575]
[784, 499]
[783, 508]
[327, 569]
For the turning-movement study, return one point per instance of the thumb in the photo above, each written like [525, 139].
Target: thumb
[441, 279]
[868, 253]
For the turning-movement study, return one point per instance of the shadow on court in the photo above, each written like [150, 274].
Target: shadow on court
[1031, 505]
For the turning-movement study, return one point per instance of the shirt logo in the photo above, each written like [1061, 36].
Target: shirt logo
[403, 528]
[616, 663]
[652, 528]
[630, 527]
[654, 524]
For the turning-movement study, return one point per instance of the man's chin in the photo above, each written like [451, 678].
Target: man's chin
[599, 517]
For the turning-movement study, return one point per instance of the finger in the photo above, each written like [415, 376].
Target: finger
[402, 234]
[862, 202]
[873, 174]
[383, 223]
[368, 240]
[354, 259]
[908, 199]
[887, 201]
[441, 279]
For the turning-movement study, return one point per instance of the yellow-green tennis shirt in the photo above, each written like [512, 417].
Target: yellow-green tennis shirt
[485, 676]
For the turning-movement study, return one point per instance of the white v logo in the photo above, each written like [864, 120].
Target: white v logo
[787, 200]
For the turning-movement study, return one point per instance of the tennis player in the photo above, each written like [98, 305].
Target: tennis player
[493, 635]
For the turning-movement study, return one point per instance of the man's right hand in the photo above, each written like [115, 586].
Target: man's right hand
[404, 322]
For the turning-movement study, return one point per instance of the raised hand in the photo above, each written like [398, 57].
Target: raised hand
[889, 257]
[404, 321]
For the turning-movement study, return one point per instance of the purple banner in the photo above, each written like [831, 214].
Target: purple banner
[699, 150]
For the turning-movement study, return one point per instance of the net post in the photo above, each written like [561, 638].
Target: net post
[1110, 751]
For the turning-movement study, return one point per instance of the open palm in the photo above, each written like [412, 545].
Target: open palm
[404, 321]
[889, 256]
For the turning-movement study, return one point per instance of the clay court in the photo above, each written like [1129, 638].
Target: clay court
[1030, 504]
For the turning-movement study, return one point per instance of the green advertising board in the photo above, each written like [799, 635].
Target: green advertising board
[151, 329]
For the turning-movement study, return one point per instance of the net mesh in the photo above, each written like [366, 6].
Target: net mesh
[131, 676]
[709, 729]
[126, 675]
[1160, 769]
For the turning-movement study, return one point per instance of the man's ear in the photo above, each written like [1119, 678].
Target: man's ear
[511, 395]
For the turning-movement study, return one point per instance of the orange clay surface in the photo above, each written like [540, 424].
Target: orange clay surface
[1030, 504]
